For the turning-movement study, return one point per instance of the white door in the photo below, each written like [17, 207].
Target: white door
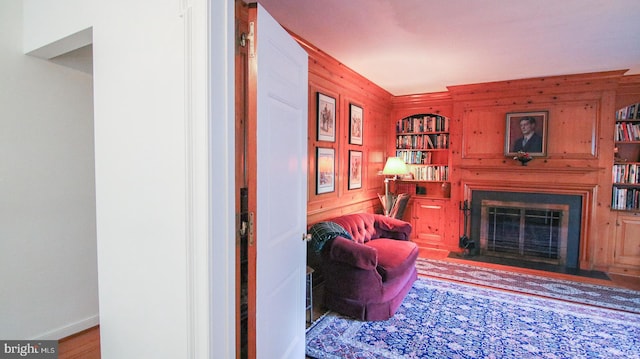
[278, 76]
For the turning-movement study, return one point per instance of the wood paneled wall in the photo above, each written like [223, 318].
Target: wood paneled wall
[579, 151]
[580, 143]
[330, 77]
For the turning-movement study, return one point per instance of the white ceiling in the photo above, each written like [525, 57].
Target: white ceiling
[418, 46]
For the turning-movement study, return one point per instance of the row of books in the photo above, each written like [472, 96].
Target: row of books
[626, 173]
[625, 198]
[423, 123]
[627, 131]
[430, 141]
[631, 112]
[415, 157]
[430, 173]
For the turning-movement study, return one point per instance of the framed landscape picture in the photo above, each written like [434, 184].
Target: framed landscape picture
[526, 132]
[326, 118]
[355, 124]
[355, 169]
[325, 170]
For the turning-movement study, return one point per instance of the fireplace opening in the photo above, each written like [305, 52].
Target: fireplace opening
[526, 227]
[530, 231]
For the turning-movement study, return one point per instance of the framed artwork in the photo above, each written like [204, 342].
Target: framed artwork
[326, 118]
[325, 170]
[355, 124]
[355, 169]
[526, 132]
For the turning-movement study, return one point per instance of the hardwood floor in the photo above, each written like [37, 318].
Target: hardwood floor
[86, 344]
[83, 345]
[625, 281]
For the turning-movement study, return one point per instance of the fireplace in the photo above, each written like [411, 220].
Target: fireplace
[536, 227]
[531, 231]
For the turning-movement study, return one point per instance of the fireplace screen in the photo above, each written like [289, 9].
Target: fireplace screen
[520, 230]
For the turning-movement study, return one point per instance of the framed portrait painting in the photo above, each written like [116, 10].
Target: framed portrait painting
[526, 132]
[326, 118]
[325, 170]
[355, 124]
[355, 169]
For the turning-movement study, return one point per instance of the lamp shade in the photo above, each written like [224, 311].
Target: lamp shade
[395, 166]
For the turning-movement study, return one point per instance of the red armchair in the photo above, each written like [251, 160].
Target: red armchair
[368, 277]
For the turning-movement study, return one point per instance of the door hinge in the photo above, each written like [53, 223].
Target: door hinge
[251, 228]
[250, 38]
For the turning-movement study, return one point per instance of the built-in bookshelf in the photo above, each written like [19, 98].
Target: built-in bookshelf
[626, 188]
[626, 168]
[422, 141]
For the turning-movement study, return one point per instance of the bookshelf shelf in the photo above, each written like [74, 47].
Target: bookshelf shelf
[625, 173]
[422, 141]
[627, 185]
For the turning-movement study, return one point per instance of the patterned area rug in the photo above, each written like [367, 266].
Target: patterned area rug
[444, 319]
[592, 294]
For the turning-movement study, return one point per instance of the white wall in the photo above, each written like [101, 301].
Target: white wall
[47, 195]
[141, 178]
[52, 28]
[222, 132]
[155, 196]
[164, 121]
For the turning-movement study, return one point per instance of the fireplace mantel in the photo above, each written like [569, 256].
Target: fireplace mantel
[532, 168]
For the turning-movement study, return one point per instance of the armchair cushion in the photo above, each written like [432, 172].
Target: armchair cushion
[393, 228]
[354, 254]
[394, 257]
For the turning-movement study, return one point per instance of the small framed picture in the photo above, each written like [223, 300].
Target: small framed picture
[355, 124]
[325, 170]
[355, 169]
[526, 132]
[326, 118]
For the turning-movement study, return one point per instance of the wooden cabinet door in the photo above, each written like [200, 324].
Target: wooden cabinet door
[428, 223]
[627, 241]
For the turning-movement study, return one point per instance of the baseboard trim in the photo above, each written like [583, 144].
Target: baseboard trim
[73, 328]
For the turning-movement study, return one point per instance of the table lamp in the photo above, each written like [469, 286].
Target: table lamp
[395, 166]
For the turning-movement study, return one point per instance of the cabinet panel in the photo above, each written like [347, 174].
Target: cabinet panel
[627, 241]
[428, 223]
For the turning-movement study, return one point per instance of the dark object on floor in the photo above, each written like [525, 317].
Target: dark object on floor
[397, 211]
[467, 244]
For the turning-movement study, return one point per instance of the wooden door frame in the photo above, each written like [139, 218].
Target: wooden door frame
[241, 149]
[251, 137]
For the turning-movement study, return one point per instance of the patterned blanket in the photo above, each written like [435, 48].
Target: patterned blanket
[322, 232]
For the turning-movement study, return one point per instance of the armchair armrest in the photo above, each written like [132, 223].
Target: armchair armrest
[393, 228]
[354, 254]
